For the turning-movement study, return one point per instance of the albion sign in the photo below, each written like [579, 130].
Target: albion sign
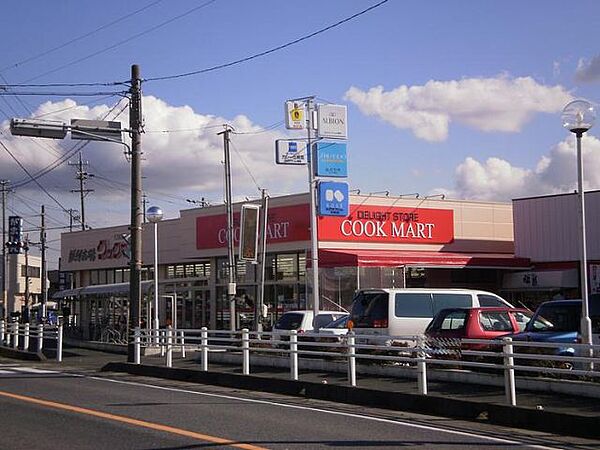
[390, 225]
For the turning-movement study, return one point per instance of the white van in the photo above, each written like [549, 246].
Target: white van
[407, 312]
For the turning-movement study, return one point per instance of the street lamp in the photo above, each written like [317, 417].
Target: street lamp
[155, 215]
[578, 116]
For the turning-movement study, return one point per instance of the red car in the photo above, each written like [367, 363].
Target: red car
[478, 323]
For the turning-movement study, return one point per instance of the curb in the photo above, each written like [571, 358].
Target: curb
[21, 354]
[497, 414]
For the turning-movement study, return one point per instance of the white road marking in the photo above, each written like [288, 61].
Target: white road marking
[337, 413]
[6, 372]
[33, 370]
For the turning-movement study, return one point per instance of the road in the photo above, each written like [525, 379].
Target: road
[50, 409]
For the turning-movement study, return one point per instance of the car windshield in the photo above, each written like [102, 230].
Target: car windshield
[289, 321]
[368, 307]
[559, 317]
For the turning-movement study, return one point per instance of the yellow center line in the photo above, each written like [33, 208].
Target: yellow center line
[131, 421]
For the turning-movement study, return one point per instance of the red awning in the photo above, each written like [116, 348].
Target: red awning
[387, 258]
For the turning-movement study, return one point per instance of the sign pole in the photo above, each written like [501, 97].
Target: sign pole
[313, 210]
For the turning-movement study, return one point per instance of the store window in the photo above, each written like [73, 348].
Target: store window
[287, 267]
[30, 271]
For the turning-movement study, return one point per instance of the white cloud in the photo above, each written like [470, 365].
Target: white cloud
[497, 179]
[489, 104]
[588, 71]
[176, 165]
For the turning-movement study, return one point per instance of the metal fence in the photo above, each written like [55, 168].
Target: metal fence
[415, 353]
[31, 337]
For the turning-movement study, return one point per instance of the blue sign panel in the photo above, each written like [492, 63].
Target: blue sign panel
[333, 198]
[331, 160]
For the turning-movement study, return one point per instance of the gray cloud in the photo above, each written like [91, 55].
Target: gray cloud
[588, 71]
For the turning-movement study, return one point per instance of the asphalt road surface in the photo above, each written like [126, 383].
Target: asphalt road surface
[49, 409]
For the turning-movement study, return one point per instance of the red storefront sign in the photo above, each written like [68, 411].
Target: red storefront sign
[285, 224]
[390, 225]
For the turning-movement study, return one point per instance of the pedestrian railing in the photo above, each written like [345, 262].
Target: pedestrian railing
[414, 353]
[31, 337]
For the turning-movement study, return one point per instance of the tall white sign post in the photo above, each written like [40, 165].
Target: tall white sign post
[331, 123]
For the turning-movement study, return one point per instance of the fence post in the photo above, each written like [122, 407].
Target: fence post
[351, 343]
[15, 341]
[2, 328]
[421, 366]
[59, 341]
[509, 372]
[137, 345]
[169, 360]
[294, 355]
[204, 348]
[245, 352]
[26, 337]
[162, 341]
[40, 337]
[182, 342]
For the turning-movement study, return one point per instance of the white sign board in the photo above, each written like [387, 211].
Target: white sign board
[290, 152]
[295, 115]
[332, 121]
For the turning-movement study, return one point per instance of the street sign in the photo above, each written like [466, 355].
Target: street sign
[290, 152]
[295, 115]
[333, 198]
[95, 130]
[15, 234]
[331, 160]
[332, 121]
[249, 233]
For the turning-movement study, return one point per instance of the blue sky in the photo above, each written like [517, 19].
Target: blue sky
[459, 97]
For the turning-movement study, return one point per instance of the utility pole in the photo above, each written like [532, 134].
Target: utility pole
[71, 217]
[3, 184]
[44, 264]
[135, 263]
[82, 175]
[231, 287]
[26, 248]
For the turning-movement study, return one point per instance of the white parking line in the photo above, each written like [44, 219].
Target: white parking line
[325, 411]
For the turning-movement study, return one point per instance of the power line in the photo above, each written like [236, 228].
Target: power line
[79, 38]
[62, 94]
[35, 181]
[124, 41]
[267, 52]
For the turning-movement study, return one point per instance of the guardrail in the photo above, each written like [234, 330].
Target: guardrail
[31, 337]
[416, 353]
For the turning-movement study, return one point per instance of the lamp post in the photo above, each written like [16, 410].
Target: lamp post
[154, 214]
[578, 117]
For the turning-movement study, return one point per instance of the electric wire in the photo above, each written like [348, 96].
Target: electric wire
[69, 153]
[241, 159]
[266, 129]
[62, 94]
[79, 38]
[124, 41]
[267, 52]
[36, 181]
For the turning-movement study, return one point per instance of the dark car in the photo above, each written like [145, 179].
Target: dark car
[559, 321]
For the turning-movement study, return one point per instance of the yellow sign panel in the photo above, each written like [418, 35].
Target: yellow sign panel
[294, 115]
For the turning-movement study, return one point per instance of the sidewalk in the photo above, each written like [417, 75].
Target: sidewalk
[556, 413]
